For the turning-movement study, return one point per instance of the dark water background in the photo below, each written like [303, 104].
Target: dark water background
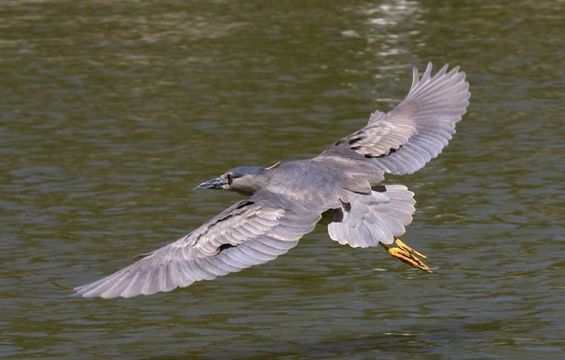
[110, 112]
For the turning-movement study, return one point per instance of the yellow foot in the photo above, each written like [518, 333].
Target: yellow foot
[408, 255]
[401, 244]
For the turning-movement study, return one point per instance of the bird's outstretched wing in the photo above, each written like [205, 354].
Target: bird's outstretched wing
[250, 232]
[403, 140]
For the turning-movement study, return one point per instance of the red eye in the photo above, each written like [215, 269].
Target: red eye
[230, 178]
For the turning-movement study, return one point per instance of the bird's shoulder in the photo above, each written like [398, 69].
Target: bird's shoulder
[318, 183]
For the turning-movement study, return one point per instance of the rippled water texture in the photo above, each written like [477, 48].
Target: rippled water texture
[110, 112]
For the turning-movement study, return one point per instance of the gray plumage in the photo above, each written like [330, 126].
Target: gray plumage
[287, 200]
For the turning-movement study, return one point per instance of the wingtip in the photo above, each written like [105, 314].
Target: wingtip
[80, 292]
[75, 294]
[443, 70]
[428, 71]
[415, 77]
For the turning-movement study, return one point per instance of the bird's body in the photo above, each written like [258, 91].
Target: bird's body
[287, 200]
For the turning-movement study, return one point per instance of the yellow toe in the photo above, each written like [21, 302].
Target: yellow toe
[408, 255]
[401, 244]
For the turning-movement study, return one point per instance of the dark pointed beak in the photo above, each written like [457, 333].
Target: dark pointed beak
[215, 183]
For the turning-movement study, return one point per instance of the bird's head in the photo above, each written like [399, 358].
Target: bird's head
[242, 179]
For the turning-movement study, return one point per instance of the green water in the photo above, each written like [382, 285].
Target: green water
[111, 112]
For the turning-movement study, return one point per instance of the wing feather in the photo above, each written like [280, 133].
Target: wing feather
[246, 234]
[416, 130]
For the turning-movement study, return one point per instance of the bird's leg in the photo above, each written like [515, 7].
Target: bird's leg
[408, 255]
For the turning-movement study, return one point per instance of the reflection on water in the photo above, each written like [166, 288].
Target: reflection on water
[111, 112]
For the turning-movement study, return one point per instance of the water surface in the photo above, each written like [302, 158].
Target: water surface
[110, 112]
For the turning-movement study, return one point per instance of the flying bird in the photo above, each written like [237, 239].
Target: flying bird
[286, 201]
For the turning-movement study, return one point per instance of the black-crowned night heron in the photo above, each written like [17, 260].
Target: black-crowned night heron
[287, 200]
